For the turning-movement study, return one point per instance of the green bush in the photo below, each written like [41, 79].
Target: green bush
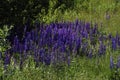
[4, 32]
[19, 11]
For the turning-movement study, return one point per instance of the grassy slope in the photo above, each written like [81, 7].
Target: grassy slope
[81, 68]
[97, 14]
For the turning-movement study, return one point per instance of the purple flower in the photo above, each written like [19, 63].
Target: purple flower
[7, 58]
[84, 33]
[114, 46]
[25, 45]
[33, 35]
[47, 59]
[88, 27]
[111, 63]
[102, 48]
[41, 55]
[21, 48]
[78, 43]
[57, 41]
[102, 38]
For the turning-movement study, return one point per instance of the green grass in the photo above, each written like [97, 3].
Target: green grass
[95, 13]
[81, 68]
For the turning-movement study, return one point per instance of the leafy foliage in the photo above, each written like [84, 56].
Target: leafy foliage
[58, 43]
[101, 49]
[4, 44]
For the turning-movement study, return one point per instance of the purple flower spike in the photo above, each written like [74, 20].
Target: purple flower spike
[102, 48]
[47, 59]
[6, 60]
[111, 62]
[88, 27]
[114, 46]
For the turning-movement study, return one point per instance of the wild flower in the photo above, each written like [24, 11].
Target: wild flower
[102, 49]
[111, 62]
[114, 45]
[51, 44]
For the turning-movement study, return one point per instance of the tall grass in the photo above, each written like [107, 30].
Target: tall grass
[103, 12]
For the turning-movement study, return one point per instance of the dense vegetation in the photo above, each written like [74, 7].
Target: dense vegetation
[59, 40]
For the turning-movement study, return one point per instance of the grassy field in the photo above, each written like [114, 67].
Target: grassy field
[105, 13]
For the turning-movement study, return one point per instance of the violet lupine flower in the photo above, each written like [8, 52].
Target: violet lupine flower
[63, 49]
[118, 63]
[41, 55]
[62, 37]
[7, 59]
[84, 33]
[21, 48]
[87, 27]
[102, 48]
[102, 38]
[47, 59]
[111, 62]
[33, 35]
[28, 36]
[25, 45]
[114, 45]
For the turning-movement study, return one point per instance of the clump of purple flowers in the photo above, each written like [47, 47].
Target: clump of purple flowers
[58, 43]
